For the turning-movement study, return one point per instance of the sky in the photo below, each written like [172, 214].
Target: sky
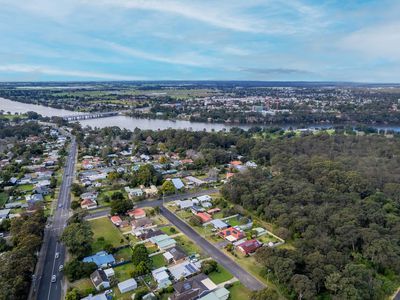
[281, 40]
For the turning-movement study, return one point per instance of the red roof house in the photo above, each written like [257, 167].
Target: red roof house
[116, 220]
[205, 217]
[88, 203]
[232, 234]
[137, 213]
[248, 247]
[235, 163]
[213, 211]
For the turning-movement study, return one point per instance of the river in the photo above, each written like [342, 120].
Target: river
[132, 123]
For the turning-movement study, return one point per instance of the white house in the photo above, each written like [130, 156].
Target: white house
[127, 285]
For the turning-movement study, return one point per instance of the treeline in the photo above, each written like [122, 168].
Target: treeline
[336, 199]
[17, 265]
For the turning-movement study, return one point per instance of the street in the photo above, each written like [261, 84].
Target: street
[244, 277]
[48, 264]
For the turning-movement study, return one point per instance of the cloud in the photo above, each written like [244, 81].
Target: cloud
[276, 71]
[210, 14]
[46, 70]
[187, 59]
[379, 41]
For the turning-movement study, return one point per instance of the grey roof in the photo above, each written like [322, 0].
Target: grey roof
[98, 277]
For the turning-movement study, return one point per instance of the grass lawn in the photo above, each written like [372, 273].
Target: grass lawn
[151, 248]
[83, 285]
[103, 227]
[123, 254]
[239, 292]
[187, 245]
[220, 276]
[124, 272]
[183, 214]
[3, 198]
[167, 230]
[158, 261]
[25, 187]
[233, 221]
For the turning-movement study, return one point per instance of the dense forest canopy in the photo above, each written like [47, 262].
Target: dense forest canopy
[336, 199]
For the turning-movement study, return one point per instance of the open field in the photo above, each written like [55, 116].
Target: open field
[102, 227]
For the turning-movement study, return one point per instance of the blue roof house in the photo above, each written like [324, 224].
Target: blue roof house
[101, 259]
[178, 183]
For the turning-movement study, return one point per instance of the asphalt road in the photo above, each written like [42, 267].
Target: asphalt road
[48, 264]
[154, 202]
[244, 277]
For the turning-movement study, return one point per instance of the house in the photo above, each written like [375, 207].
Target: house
[163, 241]
[235, 163]
[137, 213]
[251, 164]
[141, 223]
[232, 234]
[196, 209]
[116, 220]
[178, 184]
[99, 280]
[260, 231]
[205, 217]
[34, 198]
[151, 191]
[213, 211]
[88, 204]
[184, 270]
[248, 247]
[137, 192]
[109, 272]
[89, 195]
[218, 294]
[219, 224]
[4, 213]
[229, 175]
[161, 276]
[193, 288]
[175, 255]
[101, 259]
[204, 198]
[185, 204]
[96, 297]
[194, 181]
[127, 285]
[146, 234]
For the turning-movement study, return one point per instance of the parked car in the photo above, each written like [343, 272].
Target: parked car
[60, 268]
[53, 278]
[57, 254]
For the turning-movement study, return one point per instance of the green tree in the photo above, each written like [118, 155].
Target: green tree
[167, 188]
[78, 238]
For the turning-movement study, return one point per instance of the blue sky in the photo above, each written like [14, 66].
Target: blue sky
[348, 40]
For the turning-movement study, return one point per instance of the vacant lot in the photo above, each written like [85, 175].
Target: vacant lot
[158, 261]
[103, 228]
[220, 276]
[239, 292]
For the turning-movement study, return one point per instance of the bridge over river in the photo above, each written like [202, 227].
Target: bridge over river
[91, 116]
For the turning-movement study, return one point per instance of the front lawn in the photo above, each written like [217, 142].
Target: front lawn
[3, 198]
[84, 286]
[25, 187]
[103, 228]
[239, 292]
[158, 261]
[124, 272]
[169, 230]
[220, 276]
[187, 245]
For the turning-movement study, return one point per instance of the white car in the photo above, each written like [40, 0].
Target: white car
[57, 254]
[60, 268]
[53, 278]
